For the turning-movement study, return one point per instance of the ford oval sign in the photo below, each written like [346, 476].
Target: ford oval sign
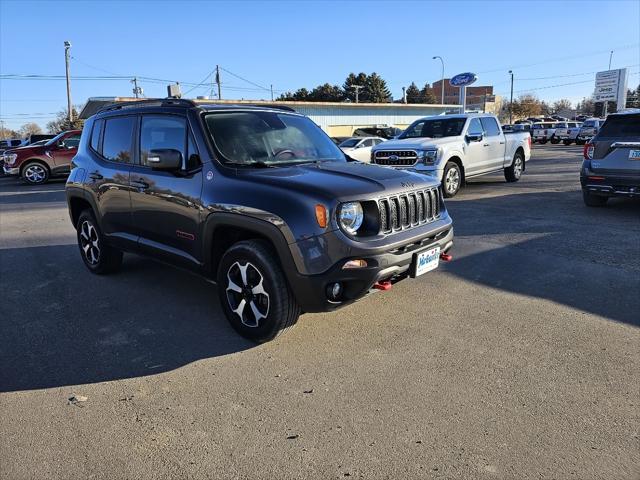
[463, 79]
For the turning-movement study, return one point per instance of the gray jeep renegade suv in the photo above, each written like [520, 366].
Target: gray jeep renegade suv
[258, 199]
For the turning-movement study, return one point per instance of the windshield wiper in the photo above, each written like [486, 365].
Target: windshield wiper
[256, 164]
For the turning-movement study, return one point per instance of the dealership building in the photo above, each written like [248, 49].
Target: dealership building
[337, 119]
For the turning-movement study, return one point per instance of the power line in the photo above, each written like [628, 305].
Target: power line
[201, 82]
[244, 79]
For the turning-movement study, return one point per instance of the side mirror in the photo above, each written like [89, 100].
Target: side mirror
[474, 137]
[164, 159]
[60, 144]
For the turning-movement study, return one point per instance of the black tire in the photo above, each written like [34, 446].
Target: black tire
[514, 172]
[451, 180]
[542, 142]
[555, 140]
[275, 303]
[567, 142]
[99, 257]
[35, 173]
[580, 142]
[591, 200]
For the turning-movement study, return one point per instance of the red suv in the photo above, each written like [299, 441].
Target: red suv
[36, 164]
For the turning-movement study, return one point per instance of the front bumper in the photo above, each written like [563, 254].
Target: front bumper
[14, 171]
[392, 265]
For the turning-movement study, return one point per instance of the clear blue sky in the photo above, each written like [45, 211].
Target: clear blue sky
[294, 44]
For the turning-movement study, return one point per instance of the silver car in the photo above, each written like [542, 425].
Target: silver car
[611, 166]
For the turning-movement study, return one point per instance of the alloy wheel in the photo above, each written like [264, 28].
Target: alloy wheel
[89, 242]
[35, 173]
[246, 294]
[452, 180]
[517, 167]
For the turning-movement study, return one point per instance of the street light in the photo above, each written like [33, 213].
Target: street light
[442, 85]
[511, 102]
[67, 46]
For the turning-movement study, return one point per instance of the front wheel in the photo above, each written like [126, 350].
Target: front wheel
[451, 179]
[514, 172]
[254, 293]
[555, 141]
[99, 257]
[35, 173]
[591, 200]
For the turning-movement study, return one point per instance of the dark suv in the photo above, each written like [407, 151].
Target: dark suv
[259, 199]
[611, 166]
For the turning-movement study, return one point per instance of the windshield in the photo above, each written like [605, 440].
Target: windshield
[435, 128]
[589, 123]
[352, 142]
[560, 125]
[248, 138]
[54, 139]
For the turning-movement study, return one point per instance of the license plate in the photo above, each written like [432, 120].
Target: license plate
[634, 154]
[426, 261]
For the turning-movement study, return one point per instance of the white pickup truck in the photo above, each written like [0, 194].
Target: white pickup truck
[454, 148]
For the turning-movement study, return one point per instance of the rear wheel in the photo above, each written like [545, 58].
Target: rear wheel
[542, 142]
[514, 172]
[99, 257]
[591, 200]
[35, 173]
[555, 140]
[254, 293]
[451, 179]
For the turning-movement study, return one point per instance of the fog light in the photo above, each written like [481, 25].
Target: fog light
[354, 264]
[334, 290]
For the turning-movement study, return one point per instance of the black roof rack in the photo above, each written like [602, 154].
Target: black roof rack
[159, 102]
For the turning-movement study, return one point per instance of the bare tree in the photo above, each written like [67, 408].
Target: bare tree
[61, 123]
[29, 129]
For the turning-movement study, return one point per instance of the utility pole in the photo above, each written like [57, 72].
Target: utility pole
[67, 46]
[136, 90]
[511, 102]
[442, 85]
[357, 89]
[218, 82]
[271, 92]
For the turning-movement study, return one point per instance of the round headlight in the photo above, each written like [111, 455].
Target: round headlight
[350, 217]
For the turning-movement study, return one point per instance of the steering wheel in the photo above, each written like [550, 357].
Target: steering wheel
[285, 152]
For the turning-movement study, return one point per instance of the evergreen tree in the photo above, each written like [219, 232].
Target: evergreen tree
[376, 89]
[427, 95]
[353, 79]
[413, 93]
[326, 93]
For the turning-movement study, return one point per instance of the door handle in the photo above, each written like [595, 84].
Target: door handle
[501, 143]
[140, 183]
[486, 145]
[95, 176]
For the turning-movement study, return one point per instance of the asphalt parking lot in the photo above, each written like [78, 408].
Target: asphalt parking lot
[519, 359]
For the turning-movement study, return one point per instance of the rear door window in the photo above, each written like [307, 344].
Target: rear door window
[118, 139]
[490, 126]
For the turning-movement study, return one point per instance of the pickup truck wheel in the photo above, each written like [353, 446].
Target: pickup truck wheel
[567, 142]
[591, 200]
[514, 172]
[542, 142]
[580, 142]
[99, 257]
[35, 173]
[451, 179]
[254, 293]
[555, 140]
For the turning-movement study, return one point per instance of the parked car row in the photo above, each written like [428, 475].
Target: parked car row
[553, 131]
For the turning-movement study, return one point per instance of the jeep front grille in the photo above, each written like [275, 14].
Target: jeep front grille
[396, 158]
[409, 210]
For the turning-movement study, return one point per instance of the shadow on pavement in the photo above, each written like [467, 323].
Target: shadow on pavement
[549, 245]
[61, 325]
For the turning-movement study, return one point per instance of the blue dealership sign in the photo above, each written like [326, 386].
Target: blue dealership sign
[463, 79]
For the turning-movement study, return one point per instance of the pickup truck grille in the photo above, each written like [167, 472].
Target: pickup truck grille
[396, 158]
[409, 210]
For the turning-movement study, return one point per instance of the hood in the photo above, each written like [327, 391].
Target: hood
[27, 150]
[340, 180]
[414, 143]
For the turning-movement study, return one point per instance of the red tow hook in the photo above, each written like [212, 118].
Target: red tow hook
[382, 285]
[446, 257]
